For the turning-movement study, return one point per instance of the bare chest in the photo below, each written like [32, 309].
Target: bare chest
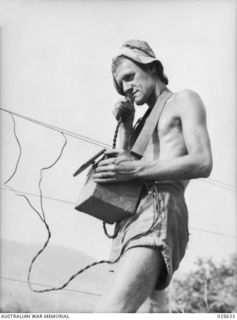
[167, 137]
[169, 123]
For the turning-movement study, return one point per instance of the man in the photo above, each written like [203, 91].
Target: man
[179, 150]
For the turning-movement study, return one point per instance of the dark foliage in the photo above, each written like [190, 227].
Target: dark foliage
[210, 288]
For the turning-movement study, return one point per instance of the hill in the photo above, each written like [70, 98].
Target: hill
[53, 268]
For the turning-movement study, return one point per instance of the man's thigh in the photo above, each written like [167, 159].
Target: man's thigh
[134, 280]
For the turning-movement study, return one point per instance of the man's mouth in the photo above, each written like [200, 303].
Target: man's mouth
[134, 93]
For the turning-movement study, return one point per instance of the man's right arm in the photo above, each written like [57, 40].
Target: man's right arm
[125, 110]
[125, 136]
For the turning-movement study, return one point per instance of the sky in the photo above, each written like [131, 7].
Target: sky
[55, 67]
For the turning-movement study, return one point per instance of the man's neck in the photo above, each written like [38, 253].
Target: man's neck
[160, 87]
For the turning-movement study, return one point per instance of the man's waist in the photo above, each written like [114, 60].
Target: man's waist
[179, 185]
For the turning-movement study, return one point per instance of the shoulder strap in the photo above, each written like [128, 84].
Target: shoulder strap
[140, 124]
[149, 126]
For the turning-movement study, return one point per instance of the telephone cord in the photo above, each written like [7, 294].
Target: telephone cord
[43, 219]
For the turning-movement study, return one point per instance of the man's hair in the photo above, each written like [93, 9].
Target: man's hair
[144, 66]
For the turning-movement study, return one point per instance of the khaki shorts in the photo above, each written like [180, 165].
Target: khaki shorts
[161, 221]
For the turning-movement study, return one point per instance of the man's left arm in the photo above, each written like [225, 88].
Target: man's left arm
[197, 163]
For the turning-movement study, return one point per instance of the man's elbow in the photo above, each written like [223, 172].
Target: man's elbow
[206, 167]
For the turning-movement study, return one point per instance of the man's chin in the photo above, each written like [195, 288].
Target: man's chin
[139, 102]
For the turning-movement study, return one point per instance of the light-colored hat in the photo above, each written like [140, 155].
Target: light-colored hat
[138, 51]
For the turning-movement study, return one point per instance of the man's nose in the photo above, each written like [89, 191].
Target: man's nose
[127, 87]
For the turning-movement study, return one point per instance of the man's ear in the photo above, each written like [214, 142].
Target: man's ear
[152, 68]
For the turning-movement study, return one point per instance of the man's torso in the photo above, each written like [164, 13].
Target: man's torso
[167, 140]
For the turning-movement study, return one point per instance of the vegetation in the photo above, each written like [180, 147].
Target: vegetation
[210, 288]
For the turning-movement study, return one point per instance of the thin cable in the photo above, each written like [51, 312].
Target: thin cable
[27, 199]
[214, 232]
[58, 129]
[112, 236]
[215, 182]
[69, 202]
[15, 169]
[46, 285]
[20, 151]
[43, 213]
[47, 168]
[232, 188]
[37, 195]
[222, 182]
[74, 276]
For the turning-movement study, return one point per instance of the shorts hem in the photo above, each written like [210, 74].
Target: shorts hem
[165, 254]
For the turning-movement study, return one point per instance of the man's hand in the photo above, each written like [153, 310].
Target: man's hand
[120, 166]
[125, 110]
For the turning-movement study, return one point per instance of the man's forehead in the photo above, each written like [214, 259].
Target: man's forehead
[125, 66]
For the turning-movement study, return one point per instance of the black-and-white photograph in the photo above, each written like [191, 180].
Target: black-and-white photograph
[118, 157]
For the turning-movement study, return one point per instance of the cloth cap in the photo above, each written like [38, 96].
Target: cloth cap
[138, 51]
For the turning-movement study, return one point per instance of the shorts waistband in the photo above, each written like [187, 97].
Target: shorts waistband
[167, 185]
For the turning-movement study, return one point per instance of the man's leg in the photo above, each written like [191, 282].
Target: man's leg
[134, 280]
[158, 301]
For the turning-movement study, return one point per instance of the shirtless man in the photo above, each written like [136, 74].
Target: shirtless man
[179, 150]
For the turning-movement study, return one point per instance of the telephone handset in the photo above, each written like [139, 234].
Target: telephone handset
[124, 112]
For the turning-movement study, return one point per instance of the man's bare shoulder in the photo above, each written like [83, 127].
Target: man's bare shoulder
[188, 101]
[186, 96]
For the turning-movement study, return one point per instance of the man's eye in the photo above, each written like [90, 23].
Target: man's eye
[129, 77]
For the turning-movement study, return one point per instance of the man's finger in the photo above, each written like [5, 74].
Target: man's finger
[113, 152]
[106, 168]
[109, 180]
[106, 162]
[99, 175]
